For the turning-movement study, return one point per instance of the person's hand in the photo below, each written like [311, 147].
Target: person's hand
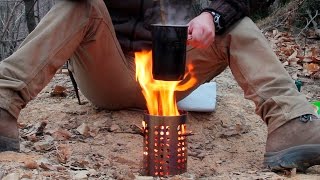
[201, 31]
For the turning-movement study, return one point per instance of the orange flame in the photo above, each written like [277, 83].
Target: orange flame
[159, 95]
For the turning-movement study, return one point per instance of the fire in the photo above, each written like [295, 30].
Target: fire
[159, 95]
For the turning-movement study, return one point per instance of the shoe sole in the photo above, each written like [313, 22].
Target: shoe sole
[299, 157]
[9, 144]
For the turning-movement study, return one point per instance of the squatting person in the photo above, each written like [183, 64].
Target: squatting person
[100, 38]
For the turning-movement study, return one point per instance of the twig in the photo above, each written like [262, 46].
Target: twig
[9, 19]
[14, 41]
[314, 23]
[309, 22]
[276, 24]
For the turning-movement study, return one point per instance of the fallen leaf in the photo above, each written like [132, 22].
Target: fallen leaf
[307, 59]
[293, 61]
[26, 176]
[94, 132]
[84, 129]
[63, 153]
[295, 76]
[286, 63]
[293, 55]
[43, 146]
[312, 67]
[59, 91]
[314, 52]
[61, 135]
[47, 166]
[315, 59]
[37, 129]
[31, 164]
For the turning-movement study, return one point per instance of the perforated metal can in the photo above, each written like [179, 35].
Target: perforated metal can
[165, 145]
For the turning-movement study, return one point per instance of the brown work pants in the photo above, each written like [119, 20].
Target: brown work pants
[83, 31]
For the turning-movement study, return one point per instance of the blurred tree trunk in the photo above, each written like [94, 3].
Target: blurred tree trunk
[29, 11]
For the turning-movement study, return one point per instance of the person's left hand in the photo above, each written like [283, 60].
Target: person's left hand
[201, 31]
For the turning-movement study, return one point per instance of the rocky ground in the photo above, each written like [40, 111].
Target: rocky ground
[63, 140]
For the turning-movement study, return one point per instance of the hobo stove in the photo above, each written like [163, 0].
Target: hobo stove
[165, 145]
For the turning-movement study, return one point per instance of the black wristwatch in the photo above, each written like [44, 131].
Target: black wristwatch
[216, 19]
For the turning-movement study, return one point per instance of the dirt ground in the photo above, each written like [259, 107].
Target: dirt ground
[63, 140]
[228, 144]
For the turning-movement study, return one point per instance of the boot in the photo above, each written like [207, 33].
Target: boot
[9, 134]
[296, 144]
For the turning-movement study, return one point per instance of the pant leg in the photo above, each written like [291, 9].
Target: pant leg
[262, 77]
[104, 75]
[27, 71]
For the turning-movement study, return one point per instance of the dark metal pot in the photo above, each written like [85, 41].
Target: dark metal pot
[169, 46]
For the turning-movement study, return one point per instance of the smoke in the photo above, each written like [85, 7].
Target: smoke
[177, 12]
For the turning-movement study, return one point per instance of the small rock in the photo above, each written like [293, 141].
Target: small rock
[84, 129]
[106, 162]
[201, 155]
[23, 149]
[144, 178]
[81, 175]
[219, 162]
[114, 128]
[43, 145]
[36, 129]
[48, 138]
[35, 172]
[26, 176]
[12, 176]
[252, 172]
[93, 172]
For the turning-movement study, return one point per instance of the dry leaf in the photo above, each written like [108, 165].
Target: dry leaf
[295, 76]
[59, 91]
[312, 67]
[31, 164]
[293, 55]
[314, 52]
[275, 32]
[26, 176]
[84, 129]
[61, 135]
[32, 138]
[37, 129]
[43, 146]
[315, 59]
[307, 59]
[293, 61]
[286, 63]
[94, 132]
[47, 166]
[63, 153]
